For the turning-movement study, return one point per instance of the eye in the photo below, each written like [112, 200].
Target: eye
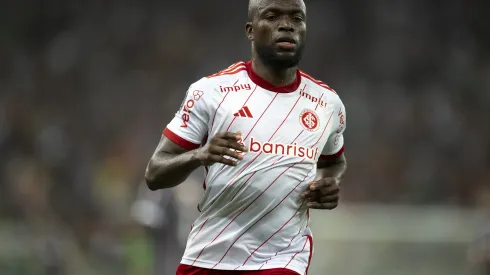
[298, 18]
[270, 17]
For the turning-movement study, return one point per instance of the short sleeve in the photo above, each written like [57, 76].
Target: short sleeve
[335, 143]
[189, 127]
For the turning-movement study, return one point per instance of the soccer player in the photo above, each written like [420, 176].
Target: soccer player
[270, 138]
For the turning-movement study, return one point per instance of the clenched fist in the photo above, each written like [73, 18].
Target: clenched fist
[323, 194]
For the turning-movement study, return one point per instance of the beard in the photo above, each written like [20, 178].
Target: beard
[269, 56]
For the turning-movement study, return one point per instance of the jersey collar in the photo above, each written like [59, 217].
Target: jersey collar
[271, 87]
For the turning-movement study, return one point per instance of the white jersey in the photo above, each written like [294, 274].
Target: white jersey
[252, 216]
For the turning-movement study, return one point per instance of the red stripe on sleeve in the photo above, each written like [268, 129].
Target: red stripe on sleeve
[336, 155]
[180, 141]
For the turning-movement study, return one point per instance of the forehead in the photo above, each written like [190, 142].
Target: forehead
[286, 5]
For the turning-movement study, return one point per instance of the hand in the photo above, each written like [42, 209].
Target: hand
[323, 194]
[221, 145]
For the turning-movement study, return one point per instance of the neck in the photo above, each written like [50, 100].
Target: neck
[275, 76]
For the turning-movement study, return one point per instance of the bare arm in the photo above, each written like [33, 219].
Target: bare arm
[171, 164]
[332, 168]
[323, 193]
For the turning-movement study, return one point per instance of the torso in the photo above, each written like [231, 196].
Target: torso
[252, 216]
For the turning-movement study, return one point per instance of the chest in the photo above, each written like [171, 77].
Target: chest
[281, 118]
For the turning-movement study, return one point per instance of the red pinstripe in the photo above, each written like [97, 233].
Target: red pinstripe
[262, 115]
[271, 165]
[318, 82]
[223, 167]
[290, 143]
[316, 107]
[200, 228]
[296, 253]
[219, 234]
[289, 244]
[273, 234]
[250, 163]
[216, 111]
[328, 122]
[245, 183]
[291, 241]
[311, 253]
[227, 129]
[263, 216]
[283, 120]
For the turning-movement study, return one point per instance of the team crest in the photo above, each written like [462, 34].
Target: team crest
[309, 120]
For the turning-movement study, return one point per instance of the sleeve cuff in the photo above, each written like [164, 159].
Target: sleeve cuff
[180, 141]
[336, 155]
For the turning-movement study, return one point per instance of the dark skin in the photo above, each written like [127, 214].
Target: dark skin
[270, 20]
[277, 31]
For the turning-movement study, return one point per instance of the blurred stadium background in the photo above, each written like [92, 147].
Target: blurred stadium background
[86, 87]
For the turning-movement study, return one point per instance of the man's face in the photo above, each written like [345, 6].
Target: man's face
[278, 32]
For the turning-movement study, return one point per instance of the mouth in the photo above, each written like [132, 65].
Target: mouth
[286, 43]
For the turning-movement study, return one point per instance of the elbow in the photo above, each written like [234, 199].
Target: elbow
[151, 184]
[157, 178]
[150, 178]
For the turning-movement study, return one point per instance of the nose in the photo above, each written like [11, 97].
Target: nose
[286, 25]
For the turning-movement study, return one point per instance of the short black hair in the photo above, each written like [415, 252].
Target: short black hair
[253, 5]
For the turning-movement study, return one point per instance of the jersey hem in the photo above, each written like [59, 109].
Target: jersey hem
[208, 265]
[179, 140]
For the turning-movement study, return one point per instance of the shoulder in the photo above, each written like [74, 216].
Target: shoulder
[229, 74]
[316, 83]
[232, 70]
[322, 88]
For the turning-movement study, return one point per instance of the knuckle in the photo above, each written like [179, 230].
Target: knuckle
[211, 149]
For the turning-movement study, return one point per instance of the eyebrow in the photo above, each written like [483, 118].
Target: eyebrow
[282, 10]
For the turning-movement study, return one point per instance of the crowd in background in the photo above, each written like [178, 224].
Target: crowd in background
[87, 87]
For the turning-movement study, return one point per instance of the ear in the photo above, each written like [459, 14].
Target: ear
[249, 31]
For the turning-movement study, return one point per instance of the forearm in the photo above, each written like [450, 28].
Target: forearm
[169, 170]
[332, 169]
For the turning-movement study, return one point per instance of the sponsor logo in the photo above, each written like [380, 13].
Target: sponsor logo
[309, 120]
[293, 150]
[340, 128]
[313, 99]
[235, 88]
[341, 122]
[244, 112]
[341, 117]
[188, 105]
